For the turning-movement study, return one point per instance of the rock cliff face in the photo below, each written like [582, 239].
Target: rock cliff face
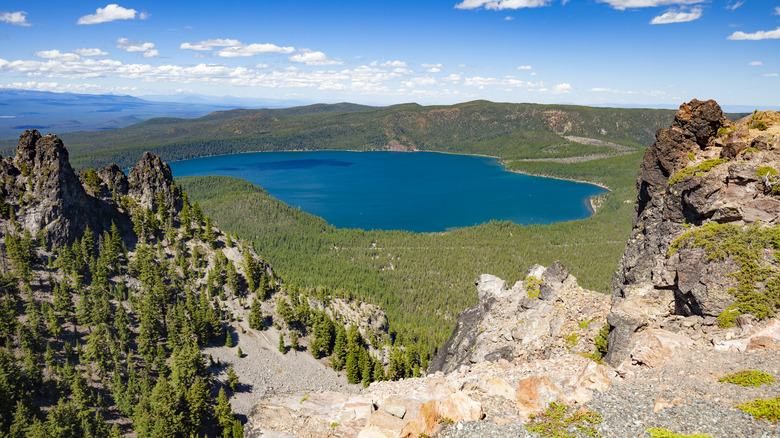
[546, 316]
[44, 195]
[701, 173]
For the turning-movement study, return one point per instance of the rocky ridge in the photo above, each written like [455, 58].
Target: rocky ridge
[702, 173]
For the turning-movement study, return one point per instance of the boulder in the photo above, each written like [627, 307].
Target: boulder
[457, 407]
[654, 347]
[535, 393]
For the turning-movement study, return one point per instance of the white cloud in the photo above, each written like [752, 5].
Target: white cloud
[624, 4]
[144, 16]
[677, 16]
[756, 63]
[562, 88]
[523, 67]
[420, 81]
[454, 78]
[251, 50]
[366, 79]
[507, 81]
[735, 5]
[390, 64]
[432, 68]
[509, 18]
[760, 35]
[129, 45]
[210, 44]
[310, 57]
[111, 12]
[18, 18]
[611, 91]
[67, 88]
[771, 75]
[90, 52]
[777, 10]
[497, 5]
[56, 55]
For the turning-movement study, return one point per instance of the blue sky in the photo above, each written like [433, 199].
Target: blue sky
[648, 52]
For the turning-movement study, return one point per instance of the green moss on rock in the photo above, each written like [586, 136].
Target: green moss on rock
[746, 245]
[699, 169]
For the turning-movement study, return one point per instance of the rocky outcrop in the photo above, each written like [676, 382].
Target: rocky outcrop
[151, 184]
[546, 316]
[45, 196]
[703, 170]
[411, 408]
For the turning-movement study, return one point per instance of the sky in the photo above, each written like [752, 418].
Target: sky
[590, 52]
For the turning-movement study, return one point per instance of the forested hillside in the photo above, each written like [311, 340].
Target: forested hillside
[511, 131]
[424, 280]
[111, 286]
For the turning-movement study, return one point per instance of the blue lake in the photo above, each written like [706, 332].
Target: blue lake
[420, 191]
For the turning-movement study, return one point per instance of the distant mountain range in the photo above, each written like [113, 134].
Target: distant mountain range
[68, 112]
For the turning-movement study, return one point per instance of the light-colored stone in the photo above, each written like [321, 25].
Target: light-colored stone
[535, 393]
[396, 410]
[660, 403]
[457, 407]
[496, 386]
[654, 346]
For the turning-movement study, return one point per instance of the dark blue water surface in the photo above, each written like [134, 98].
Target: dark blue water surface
[420, 191]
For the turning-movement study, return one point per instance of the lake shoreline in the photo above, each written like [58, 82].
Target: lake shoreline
[521, 216]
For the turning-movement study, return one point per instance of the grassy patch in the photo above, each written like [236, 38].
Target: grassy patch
[558, 421]
[749, 378]
[763, 409]
[657, 432]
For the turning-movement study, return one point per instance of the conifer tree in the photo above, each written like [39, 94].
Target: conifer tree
[256, 316]
[353, 367]
[294, 340]
[197, 399]
[232, 379]
[282, 347]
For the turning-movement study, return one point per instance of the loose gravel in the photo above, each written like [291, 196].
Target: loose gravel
[687, 384]
[264, 370]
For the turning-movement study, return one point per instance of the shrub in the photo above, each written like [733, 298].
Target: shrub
[760, 125]
[602, 341]
[766, 409]
[559, 422]
[748, 378]
[771, 180]
[532, 284]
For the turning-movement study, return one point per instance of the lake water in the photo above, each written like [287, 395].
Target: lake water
[420, 191]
